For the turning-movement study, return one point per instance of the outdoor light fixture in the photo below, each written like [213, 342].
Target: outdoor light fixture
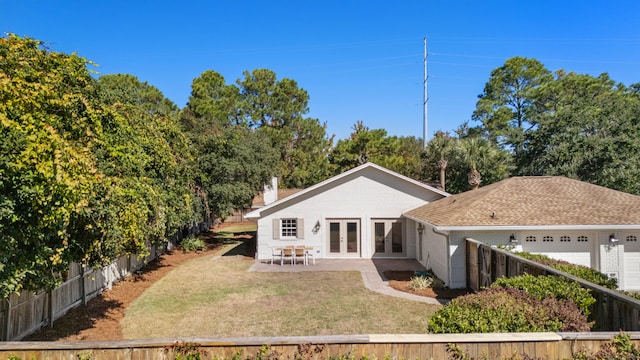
[316, 227]
[512, 238]
[612, 239]
[420, 228]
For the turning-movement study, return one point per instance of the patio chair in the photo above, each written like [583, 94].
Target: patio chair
[308, 253]
[301, 254]
[276, 253]
[288, 253]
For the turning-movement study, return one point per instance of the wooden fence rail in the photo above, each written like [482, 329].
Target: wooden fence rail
[407, 346]
[25, 313]
[612, 311]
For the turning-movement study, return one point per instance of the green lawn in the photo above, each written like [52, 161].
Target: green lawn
[216, 297]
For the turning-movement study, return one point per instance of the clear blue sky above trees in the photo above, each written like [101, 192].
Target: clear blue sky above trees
[359, 60]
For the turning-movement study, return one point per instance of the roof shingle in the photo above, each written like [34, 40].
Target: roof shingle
[533, 201]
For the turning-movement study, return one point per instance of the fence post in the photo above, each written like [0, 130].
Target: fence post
[83, 288]
[50, 298]
[7, 318]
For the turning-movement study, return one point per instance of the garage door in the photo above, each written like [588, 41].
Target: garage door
[574, 247]
[631, 244]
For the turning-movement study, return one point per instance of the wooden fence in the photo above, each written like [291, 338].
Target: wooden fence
[25, 313]
[408, 346]
[612, 311]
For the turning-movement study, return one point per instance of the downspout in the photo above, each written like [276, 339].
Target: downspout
[446, 236]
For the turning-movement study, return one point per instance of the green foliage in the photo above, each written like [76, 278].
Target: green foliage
[588, 129]
[580, 271]
[451, 159]
[399, 154]
[89, 169]
[185, 351]
[550, 286]
[420, 282]
[574, 125]
[48, 116]
[192, 243]
[273, 108]
[506, 104]
[507, 310]
[425, 279]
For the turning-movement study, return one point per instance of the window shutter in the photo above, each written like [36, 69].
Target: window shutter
[300, 229]
[276, 229]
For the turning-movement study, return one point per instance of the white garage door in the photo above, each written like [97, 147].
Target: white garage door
[631, 244]
[574, 247]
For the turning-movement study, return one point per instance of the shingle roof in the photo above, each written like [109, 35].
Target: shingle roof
[282, 193]
[533, 201]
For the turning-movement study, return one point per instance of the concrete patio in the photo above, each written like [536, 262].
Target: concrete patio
[372, 271]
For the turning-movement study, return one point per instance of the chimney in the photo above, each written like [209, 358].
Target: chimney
[270, 194]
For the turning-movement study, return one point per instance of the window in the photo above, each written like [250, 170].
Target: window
[547, 239]
[530, 239]
[582, 238]
[288, 228]
[565, 238]
[632, 238]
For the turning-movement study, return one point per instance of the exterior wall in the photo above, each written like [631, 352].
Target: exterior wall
[432, 252]
[366, 195]
[597, 253]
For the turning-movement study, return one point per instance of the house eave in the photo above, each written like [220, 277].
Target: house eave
[536, 227]
[257, 213]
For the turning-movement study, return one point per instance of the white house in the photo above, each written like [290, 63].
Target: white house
[357, 214]
[372, 212]
[563, 218]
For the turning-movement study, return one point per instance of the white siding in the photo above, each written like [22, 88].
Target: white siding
[365, 195]
[434, 253]
[631, 250]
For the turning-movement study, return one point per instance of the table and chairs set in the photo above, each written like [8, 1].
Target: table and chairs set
[293, 254]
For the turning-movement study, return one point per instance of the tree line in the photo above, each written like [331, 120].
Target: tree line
[93, 167]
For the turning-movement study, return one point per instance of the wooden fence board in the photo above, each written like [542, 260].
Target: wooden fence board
[613, 310]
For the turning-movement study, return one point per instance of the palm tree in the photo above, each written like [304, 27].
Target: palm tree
[441, 146]
[475, 153]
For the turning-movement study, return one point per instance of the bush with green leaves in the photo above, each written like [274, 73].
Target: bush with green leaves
[580, 271]
[550, 286]
[192, 243]
[501, 309]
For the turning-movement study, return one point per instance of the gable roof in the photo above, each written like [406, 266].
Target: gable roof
[532, 201]
[328, 183]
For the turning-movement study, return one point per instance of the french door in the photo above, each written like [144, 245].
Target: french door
[344, 237]
[388, 239]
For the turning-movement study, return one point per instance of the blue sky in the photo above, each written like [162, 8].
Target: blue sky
[358, 60]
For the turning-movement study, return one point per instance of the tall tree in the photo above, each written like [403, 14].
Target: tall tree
[441, 149]
[233, 159]
[505, 106]
[278, 108]
[588, 129]
[48, 115]
[366, 145]
[470, 160]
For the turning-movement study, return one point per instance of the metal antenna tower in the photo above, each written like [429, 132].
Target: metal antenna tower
[426, 99]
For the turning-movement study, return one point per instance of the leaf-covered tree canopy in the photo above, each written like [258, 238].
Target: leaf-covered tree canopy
[89, 169]
[365, 145]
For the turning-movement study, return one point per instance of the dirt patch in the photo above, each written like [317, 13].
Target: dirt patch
[399, 280]
[100, 319]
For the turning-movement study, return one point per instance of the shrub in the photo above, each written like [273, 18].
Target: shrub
[193, 243]
[507, 310]
[550, 286]
[420, 282]
[580, 271]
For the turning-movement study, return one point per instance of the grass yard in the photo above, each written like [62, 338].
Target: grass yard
[215, 296]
